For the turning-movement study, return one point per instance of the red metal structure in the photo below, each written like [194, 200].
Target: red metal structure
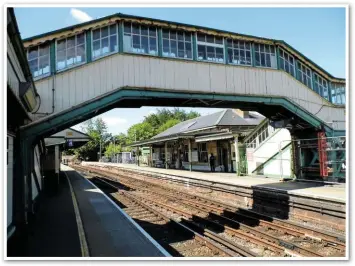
[322, 151]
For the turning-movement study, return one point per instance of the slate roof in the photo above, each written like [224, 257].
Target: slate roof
[226, 117]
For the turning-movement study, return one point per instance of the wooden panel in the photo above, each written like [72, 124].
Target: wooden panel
[218, 78]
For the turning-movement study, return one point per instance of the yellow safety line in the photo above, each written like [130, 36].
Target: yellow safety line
[83, 244]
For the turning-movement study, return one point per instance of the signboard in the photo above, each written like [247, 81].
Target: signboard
[69, 133]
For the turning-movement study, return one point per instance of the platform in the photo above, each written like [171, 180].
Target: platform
[79, 220]
[314, 190]
[109, 231]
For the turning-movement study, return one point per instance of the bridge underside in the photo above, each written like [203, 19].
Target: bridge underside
[304, 124]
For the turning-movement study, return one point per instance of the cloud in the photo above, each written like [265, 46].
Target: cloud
[113, 121]
[79, 15]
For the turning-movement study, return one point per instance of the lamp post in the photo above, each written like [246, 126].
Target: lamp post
[100, 148]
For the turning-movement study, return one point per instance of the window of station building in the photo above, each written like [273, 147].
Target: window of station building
[304, 75]
[239, 52]
[140, 39]
[186, 153]
[71, 51]
[287, 62]
[210, 48]
[321, 86]
[265, 55]
[39, 60]
[104, 41]
[338, 94]
[177, 44]
[202, 152]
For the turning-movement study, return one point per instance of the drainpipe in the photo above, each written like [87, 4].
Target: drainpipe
[53, 96]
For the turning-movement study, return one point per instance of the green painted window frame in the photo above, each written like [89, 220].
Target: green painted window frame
[120, 43]
[100, 40]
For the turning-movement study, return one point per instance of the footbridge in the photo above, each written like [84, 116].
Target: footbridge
[127, 61]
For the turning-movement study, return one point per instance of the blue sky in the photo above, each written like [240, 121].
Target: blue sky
[318, 33]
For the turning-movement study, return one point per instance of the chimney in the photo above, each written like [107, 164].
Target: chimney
[243, 114]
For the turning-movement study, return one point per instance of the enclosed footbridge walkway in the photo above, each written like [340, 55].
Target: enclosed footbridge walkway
[127, 61]
[147, 60]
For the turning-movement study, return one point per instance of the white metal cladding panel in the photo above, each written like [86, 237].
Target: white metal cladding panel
[281, 165]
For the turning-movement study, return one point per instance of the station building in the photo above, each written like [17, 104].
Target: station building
[261, 149]
[189, 144]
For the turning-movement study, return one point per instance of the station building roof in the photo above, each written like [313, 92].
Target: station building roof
[219, 125]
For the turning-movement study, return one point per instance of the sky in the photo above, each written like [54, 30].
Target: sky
[318, 33]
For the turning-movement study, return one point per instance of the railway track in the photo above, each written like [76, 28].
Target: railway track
[176, 237]
[264, 235]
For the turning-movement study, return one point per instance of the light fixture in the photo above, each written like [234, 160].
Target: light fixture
[28, 96]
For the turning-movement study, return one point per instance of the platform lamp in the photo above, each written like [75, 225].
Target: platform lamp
[28, 95]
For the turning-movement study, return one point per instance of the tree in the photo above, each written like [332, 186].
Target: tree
[112, 149]
[97, 130]
[138, 132]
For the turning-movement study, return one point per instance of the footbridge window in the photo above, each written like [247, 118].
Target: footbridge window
[104, 41]
[304, 75]
[39, 60]
[338, 94]
[239, 52]
[287, 62]
[177, 44]
[265, 55]
[321, 86]
[71, 51]
[140, 39]
[210, 48]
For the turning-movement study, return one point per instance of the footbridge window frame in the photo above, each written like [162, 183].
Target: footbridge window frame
[109, 38]
[66, 51]
[305, 74]
[150, 36]
[321, 85]
[180, 39]
[265, 52]
[287, 62]
[212, 44]
[338, 94]
[242, 48]
[38, 57]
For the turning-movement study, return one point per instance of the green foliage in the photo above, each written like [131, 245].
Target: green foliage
[112, 149]
[97, 130]
[140, 132]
